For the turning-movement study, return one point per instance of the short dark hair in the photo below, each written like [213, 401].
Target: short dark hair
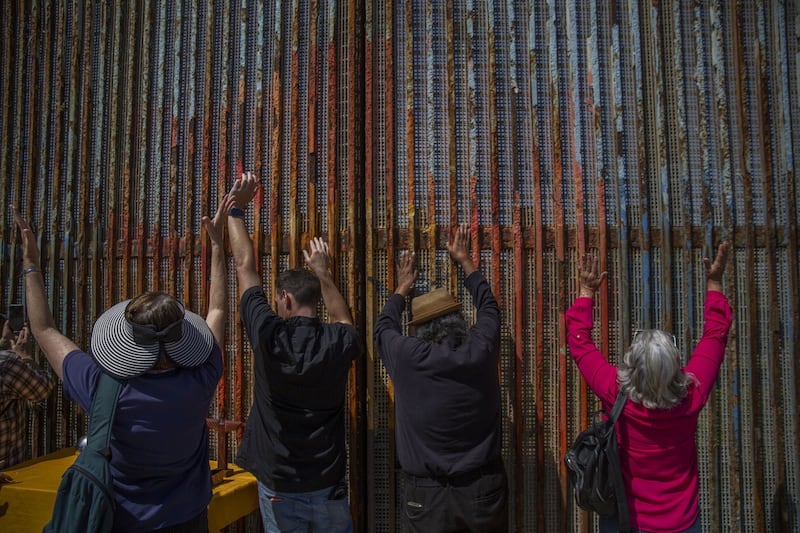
[300, 283]
[435, 330]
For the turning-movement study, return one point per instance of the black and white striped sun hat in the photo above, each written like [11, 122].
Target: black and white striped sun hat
[121, 349]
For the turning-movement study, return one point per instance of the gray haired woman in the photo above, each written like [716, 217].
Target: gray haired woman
[656, 430]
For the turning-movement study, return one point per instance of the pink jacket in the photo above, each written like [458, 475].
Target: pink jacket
[656, 446]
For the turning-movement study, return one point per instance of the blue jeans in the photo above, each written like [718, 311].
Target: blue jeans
[609, 525]
[325, 510]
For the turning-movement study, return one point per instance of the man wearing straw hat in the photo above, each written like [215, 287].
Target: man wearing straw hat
[169, 362]
[447, 401]
[294, 440]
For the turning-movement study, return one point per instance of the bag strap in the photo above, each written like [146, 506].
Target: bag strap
[101, 416]
[616, 469]
[619, 403]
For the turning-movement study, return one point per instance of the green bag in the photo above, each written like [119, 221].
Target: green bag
[85, 498]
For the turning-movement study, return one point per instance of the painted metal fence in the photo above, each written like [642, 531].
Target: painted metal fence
[643, 132]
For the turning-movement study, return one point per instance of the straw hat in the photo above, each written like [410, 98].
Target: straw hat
[431, 305]
[126, 350]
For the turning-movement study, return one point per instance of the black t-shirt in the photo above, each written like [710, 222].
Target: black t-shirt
[447, 397]
[294, 439]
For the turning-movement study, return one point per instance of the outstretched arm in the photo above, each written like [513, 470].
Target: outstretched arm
[217, 290]
[242, 193]
[317, 261]
[459, 249]
[54, 345]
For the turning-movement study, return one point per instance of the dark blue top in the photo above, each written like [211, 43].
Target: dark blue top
[447, 398]
[294, 439]
[159, 440]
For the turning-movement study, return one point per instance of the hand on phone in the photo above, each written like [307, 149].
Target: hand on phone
[16, 317]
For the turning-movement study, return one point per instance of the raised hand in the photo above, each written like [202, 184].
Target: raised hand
[458, 246]
[20, 345]
[30, 250]
[244, 189]
[715, 270]
[589, 277]
[215, 226]
[406, 272]
[317, 260]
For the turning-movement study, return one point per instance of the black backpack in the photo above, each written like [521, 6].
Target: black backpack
[594, 469]
[85, 498]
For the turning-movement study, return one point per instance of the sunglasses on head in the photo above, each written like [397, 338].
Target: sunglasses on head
[637, 331]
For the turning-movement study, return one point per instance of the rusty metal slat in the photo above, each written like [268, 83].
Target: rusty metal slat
[426, 110]
[6, 77]
[537, 379]
[654, 87]
[573, 132]
[720, 115]
[790, 85]
[186, 143]
[763, 147]
[739, 130]
[491, 127]
[44, 44]
[79, 250]
[314, 53]
[48, 247]
[637, 162]
[34, 82]
[214, 171]
[141, 102]
[156, 128]
[14, 108]
[253, 79]
[173, 170]
[235, 96]
[292, 116]
[71, 154]
[561, 273]
[356, 380]
[372, 53]
[684, 41]
[408, 76]
[6, 220]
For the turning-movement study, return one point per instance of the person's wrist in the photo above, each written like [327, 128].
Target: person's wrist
[29, 269]
[403, 290]
[586, 292]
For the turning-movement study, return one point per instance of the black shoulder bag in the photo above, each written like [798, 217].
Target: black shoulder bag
[594, 468]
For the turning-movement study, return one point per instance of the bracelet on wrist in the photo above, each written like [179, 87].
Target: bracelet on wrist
[30, 269]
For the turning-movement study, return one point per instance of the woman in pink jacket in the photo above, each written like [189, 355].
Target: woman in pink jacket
[656, 431]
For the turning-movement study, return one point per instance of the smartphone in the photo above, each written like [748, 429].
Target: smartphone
[16, 317]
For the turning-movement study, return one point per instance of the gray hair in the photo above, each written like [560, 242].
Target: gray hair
[651, 371]
[451, 324]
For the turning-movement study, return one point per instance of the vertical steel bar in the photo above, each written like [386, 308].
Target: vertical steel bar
[408, 78]
[6, 249]
[292, 116]
[371, 55]
[762, 146]
[561, 272]
[450, 102]
[156, 128]
[314, 51]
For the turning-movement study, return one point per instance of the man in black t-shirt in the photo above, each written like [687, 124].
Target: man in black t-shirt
[447, 401]
[294, 439]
